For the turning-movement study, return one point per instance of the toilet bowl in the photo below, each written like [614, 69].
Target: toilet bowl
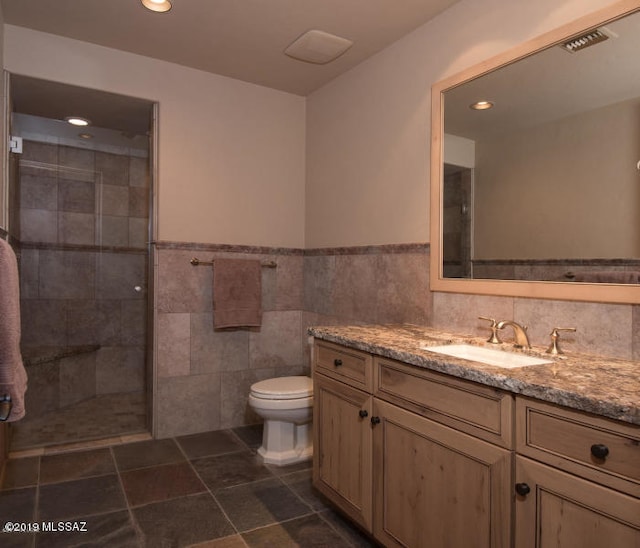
[285, 404]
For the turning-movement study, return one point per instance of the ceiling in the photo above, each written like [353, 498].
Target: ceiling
[243, 39]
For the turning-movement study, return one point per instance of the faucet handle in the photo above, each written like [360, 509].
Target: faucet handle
[554, 347]
[493, 339]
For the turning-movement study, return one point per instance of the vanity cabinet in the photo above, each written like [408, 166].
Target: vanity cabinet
[421, 458]
[342, 440]
[388, 454]
[583, 491]
[435, 486]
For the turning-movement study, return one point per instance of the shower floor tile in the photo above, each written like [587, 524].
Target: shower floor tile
[101, 417]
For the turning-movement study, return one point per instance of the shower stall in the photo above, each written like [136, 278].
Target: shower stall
[79, 217]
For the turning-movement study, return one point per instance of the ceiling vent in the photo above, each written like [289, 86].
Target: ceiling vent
[319, 47]
[590, 39]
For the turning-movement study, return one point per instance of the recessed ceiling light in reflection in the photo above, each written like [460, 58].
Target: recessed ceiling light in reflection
[159, 6]
[481, 105]
[77, 121]
[85, 135]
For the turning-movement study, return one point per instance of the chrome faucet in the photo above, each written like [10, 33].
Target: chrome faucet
[520, 332]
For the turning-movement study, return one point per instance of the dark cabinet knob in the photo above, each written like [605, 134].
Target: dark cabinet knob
[599, 450]
[337, 362]
[375, 420]
[522, 489]
[363, 413]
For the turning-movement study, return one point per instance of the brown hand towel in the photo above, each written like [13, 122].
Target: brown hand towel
[13, 377]
[237, 293]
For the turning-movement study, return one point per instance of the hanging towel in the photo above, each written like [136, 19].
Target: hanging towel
[13, 377]
[237, 293]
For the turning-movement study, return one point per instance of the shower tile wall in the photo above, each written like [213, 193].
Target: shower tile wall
[456, 229]
[83, 232]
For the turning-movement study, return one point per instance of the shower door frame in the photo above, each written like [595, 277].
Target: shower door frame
[150, 380]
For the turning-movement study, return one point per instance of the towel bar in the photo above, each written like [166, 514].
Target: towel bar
[197, 262]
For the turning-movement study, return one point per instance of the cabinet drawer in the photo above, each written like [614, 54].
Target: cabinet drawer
[344, 364]
[481, 411]
[572, 440]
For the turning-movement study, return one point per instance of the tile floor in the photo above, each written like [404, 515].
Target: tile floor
[207, 490]
[108, 415]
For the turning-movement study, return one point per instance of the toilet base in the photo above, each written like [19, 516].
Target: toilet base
[285, 443]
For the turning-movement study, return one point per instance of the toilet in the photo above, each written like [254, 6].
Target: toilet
[285, 404]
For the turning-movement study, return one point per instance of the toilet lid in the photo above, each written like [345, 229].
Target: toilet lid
[283, 388]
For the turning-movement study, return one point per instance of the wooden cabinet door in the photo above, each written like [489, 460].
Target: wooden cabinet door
[565, 511]
[342, 447]
[437, 487]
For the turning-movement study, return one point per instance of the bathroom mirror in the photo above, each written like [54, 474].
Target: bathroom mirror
[539, 196]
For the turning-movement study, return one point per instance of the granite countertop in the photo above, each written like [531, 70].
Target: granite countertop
[604, 386]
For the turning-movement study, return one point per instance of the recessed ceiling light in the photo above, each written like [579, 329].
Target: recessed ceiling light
[77, 121]
[85, 135]
[481, 105]
[160, 6]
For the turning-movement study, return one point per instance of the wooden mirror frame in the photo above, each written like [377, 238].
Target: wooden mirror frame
[590, 292]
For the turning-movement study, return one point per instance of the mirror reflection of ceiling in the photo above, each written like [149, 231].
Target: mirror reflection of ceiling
[240, 39]
[551, 84]
[56, 101]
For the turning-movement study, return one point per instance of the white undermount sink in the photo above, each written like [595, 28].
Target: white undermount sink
[499, 358]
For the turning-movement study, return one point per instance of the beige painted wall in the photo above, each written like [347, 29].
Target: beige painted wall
[231, 154]
[368, 131]
[567, 189]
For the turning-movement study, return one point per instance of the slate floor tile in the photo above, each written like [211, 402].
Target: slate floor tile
[21, 472]
[346, 529]
[206, 490]
[114, 529]
[158, 483]
[76, 465]
[251, 435]
[307, 531]
[182, 522]
[62, 501]
[147, 453]
[17, 505]
[234, 541]
[300, 483]
[231, 469]
[209, 443]
[260, 503]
